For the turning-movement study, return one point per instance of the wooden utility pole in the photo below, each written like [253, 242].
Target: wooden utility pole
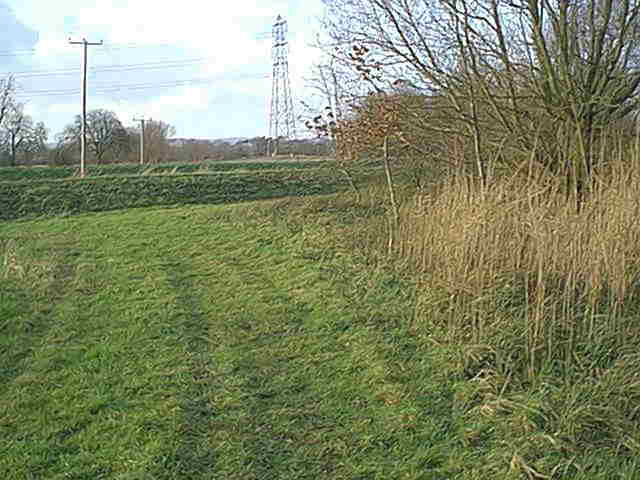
[141, 120]
[83, 128]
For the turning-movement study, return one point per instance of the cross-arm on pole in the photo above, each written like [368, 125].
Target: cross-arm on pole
[83, 127]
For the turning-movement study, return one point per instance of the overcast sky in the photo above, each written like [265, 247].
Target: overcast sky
[214, 47]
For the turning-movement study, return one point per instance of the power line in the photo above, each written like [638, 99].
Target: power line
[174, 82]
[109, 46]
[17, 53]
[111, 68]
[115, 46]
[126, 46]
[110, 88]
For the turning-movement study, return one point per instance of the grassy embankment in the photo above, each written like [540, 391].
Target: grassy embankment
[14, 174]
[266, 340]
[29, 193]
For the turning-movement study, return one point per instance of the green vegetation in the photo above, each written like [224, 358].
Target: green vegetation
[271, 339]
[17, 174]
[472, 315]
[211, 342]
[56, 197]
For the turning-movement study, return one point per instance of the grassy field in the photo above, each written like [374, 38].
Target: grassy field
[19, 174]
[208, 342]
[253, 341]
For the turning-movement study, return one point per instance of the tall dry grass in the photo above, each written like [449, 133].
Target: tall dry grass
[532, 290]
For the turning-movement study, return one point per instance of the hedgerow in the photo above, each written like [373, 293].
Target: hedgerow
[71, 196]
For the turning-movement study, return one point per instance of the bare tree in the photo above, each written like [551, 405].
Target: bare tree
[195, 151]
[7, 91]
[329, 85]
[105, 134]
[503, 70]
[19, 135]
[156, 135]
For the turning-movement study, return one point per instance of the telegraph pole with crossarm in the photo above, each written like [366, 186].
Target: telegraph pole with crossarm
[142, 122]
[83, 128]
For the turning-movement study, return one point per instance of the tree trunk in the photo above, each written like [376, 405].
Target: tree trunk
[393, 225]
[13, 151]
[585, 172]
[352, 183]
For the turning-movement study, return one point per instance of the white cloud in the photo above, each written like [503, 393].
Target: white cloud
[70, 109]
[189, 98]
[51, 46]
[166, 107]
[31, 109]
[226, 32]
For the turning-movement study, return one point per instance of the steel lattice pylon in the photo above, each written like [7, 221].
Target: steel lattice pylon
[281, 117]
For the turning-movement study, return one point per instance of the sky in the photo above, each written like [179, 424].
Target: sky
[203, 66]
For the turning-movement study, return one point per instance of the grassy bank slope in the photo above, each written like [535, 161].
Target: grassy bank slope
[65, 197]
[21, 174]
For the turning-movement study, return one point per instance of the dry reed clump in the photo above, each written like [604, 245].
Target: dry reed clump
[532, 291]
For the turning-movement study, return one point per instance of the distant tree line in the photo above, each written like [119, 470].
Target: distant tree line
[24, 142]
[109, 141]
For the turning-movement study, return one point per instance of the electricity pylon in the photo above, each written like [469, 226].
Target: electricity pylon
[281, 117]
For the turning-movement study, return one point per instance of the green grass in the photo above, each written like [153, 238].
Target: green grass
[73, 196]
[252, 341]
[208, 342]
[17, 174]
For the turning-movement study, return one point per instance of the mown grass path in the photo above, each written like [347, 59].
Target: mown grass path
[207, 342]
